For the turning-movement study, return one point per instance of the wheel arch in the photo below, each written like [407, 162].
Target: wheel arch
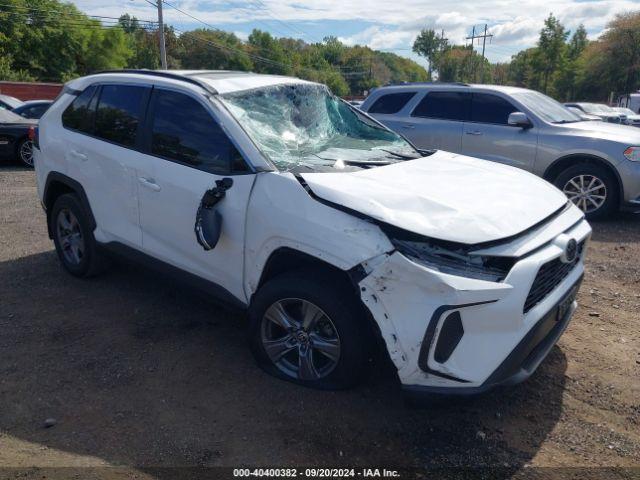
[285, 259]
[562, 163]
[58, 184]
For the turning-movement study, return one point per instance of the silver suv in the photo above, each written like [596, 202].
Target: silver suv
[596, 164]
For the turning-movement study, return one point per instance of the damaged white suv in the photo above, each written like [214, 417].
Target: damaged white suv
[334, 232]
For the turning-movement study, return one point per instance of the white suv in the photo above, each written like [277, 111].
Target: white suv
[331, 230]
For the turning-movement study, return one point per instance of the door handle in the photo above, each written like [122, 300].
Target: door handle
[150, 184]
[474, 132]
[79, 155]
[408, 127]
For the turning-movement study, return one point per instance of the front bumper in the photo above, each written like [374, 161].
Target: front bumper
[449, 334]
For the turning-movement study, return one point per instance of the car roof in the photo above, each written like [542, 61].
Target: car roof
[452, 86]
[13, 102]
[36, 102]
[214, 81]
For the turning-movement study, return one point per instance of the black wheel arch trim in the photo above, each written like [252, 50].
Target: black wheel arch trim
[576, 157]
[60, 178]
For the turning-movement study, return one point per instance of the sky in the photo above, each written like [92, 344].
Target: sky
[389, 25]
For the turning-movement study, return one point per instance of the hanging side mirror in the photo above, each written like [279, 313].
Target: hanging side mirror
[208, 225]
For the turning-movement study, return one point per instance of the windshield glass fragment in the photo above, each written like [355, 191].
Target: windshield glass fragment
[304, 125]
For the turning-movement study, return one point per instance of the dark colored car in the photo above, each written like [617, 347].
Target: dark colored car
[33, 108]
[14, 137]
[8, 102]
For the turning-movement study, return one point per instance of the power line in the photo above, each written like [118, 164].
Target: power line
[484, 41]
[61, 12]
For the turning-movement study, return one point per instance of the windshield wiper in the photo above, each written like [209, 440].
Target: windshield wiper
[567, 121]
[401, 155]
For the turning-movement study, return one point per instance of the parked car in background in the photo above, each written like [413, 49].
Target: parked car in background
[14, 137]
[33, 108]
[8, 102]
[596, 164]
[333, 231]
[606, 113]
[630, 101]
[585, 116]
[630, 118]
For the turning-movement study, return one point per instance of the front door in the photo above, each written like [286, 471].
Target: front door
[186, 153]
[489, 136]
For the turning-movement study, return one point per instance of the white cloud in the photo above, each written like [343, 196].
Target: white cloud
[387, 24]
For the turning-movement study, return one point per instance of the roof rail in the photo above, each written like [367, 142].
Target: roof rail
[459, 84]
[165, 74]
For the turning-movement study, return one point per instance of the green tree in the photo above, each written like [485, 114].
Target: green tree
[551, 49]
[430, 46]
[213, 50]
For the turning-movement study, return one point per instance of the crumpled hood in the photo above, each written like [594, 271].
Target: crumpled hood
[444, 196]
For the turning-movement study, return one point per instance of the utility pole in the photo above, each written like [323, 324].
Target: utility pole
[484, 41]
[163, 50]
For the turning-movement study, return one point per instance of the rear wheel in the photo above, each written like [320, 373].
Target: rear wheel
[75, 245]
[25, 152]
[592, 188]
[306, 329]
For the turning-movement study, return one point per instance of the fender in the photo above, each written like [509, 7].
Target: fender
[58, 184]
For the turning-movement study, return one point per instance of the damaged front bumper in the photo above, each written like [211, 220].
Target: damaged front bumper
[451, 334]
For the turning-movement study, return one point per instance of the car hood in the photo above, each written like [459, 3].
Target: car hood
[444, 196]
[625, 134]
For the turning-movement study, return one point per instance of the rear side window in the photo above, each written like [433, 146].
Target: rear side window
[487, 108]
[183, 130]
[444, 105]
[79, 114]
[391, 103]
[118, 113]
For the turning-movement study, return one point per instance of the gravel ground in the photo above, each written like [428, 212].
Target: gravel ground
[133, 372]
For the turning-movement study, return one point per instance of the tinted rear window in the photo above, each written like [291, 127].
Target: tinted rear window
[118, 113]
[444, 105]
[184, 131]
[79, 115]
[487, 108]
[391, 103]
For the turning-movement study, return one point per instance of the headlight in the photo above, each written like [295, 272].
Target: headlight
[455, 261]
[633, 154]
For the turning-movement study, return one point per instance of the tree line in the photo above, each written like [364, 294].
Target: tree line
[48, 40]
[562, 64]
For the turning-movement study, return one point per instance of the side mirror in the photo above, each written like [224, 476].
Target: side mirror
[519, 119]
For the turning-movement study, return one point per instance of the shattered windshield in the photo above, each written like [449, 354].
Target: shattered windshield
[304, 126]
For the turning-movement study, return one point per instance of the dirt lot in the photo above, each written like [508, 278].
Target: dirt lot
[139, 374]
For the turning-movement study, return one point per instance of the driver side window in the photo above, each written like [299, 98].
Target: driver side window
[182, 130]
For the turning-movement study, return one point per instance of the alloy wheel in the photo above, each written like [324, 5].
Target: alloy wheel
[300, 339]
[587, 192]
[70, 237]
[26, 153]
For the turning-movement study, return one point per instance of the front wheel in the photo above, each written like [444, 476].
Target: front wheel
[592, 188]
[308, 328]
[25, 152]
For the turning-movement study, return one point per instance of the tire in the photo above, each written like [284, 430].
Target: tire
[70, 227]
[24, 152]
[577, 178]
[340, 321]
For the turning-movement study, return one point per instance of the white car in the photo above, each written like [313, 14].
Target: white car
[333, 232]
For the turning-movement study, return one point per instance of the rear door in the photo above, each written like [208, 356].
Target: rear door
[102, 153]
[187, 151]
[488, 135]
[437, 120]
[392, 110]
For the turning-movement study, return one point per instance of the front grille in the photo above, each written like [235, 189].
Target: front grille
[548, 278]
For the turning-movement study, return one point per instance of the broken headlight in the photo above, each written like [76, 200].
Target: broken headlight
[455, 261]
